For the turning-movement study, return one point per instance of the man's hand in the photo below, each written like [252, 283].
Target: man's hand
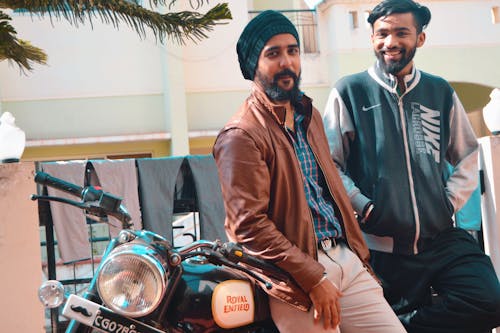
[325, 298]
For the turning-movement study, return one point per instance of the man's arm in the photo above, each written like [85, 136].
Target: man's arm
[340, 132]
[245, 183]
[462, 153]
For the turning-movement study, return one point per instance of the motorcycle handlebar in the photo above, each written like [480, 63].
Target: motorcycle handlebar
[88, 193]
[235, 253]
[46, 179]
[104, 202]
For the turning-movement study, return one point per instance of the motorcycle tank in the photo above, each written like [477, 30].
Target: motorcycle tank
[211, 298]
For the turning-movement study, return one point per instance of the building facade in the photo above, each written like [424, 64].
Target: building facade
[106, 93]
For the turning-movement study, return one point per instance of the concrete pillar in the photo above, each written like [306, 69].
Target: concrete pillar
[489, 163]
[20, 253]
[174, 97]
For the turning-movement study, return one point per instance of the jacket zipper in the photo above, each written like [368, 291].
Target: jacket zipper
[410, 173]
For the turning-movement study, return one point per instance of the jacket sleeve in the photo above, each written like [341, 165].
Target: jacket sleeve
[245, 183]
[462, 153]
[340, 132]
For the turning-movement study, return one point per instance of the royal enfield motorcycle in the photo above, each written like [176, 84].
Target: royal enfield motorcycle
[146, 285]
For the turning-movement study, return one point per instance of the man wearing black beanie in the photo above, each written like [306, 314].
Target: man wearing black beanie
[284, 199]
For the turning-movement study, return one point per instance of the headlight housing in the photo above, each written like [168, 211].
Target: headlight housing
[132, 279]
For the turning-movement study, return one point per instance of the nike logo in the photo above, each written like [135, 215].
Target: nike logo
[364, 108]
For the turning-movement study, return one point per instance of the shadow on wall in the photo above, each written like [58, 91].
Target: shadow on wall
[474, 97]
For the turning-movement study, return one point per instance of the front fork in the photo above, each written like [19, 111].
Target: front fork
[91, 292]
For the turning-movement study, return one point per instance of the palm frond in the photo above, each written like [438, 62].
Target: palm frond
[178, 26]
[17, 50]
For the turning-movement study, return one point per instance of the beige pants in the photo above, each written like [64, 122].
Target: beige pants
[363, 307]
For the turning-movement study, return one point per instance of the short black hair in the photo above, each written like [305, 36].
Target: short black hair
[421, 13]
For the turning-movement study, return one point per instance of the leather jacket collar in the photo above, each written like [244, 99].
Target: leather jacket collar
[278, 111]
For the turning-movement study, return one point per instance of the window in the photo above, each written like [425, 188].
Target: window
[353, 18]
[495, 15]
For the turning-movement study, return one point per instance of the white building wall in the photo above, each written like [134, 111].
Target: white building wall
[104, 81]
[212, 64]
[99, 81]
[462, 42]
[82, 62]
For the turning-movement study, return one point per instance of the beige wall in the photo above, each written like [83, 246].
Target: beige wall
[19, 251]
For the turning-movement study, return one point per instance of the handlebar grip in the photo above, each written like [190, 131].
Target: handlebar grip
[46, 179]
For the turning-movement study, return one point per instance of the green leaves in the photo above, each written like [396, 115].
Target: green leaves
[178, 26]
[17, 50]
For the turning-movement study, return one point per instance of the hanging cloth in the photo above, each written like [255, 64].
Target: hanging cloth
[208, 196]
[157, 179]
[69, 222]
[119, 177]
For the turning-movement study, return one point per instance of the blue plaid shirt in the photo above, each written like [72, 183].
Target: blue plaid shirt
[317, 194]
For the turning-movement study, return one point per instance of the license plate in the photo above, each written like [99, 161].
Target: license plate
[97, 316]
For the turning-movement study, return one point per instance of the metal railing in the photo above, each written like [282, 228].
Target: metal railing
[306, 23]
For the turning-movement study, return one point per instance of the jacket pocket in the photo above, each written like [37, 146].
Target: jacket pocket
[435, 210]
[392, 213]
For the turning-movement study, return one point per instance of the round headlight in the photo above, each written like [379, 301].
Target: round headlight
[132, 280]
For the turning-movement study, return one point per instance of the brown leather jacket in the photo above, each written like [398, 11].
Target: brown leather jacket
[264, 198]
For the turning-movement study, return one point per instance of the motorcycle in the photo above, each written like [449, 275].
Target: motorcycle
[145, 285]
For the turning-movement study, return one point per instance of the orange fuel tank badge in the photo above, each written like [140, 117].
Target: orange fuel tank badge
[233, 304]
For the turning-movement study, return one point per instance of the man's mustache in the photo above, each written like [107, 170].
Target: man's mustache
[392, 49]
[285, 72]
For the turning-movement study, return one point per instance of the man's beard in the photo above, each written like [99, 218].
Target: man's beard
[394, 67]
[275, 93]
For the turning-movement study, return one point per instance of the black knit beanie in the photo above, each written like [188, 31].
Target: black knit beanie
[256, 34]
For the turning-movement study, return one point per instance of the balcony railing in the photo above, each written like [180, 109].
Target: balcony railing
[306, 23]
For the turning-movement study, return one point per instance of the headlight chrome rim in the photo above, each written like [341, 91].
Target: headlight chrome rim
[130, 272]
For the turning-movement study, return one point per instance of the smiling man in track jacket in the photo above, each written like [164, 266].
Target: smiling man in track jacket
[392, 131]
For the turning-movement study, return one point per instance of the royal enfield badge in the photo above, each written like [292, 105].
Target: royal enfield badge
[233, 304]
